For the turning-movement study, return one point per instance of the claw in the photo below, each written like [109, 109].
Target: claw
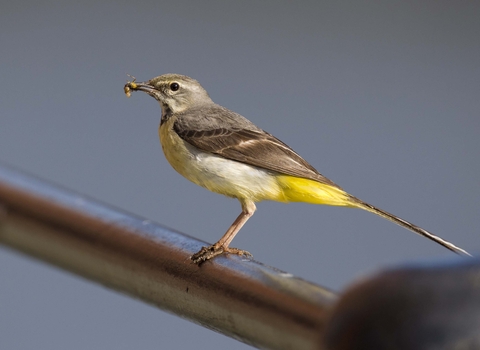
[207, 253]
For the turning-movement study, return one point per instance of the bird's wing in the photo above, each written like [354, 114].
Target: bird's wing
[228, 134]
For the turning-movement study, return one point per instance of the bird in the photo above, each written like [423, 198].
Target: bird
[226, 153]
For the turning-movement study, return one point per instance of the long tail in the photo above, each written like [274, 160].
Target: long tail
[296, 189]
[418, 230]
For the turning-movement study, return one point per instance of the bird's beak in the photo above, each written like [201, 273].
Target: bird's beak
[145, 87]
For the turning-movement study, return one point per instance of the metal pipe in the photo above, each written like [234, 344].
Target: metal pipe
[241, 298]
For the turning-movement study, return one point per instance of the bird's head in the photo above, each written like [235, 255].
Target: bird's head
[175, 92]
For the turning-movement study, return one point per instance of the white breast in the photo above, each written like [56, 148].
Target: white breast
[215, 173]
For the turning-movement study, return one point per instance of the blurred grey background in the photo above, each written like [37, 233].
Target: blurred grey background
[383, 97]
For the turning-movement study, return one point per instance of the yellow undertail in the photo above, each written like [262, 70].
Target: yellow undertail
[297, 189]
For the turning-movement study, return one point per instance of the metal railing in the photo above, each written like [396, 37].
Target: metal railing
[241, 298]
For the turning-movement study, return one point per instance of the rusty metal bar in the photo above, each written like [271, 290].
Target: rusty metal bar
[241, 298]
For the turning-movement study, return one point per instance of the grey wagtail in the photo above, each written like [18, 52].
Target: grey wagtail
[226, 153]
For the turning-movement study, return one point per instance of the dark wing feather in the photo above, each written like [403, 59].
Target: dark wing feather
[220, 131]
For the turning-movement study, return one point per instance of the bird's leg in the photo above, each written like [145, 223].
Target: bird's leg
[222, 246]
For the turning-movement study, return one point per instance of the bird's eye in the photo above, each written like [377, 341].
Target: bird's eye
[174, 86]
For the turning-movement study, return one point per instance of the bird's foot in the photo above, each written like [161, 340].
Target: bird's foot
[207, 253]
